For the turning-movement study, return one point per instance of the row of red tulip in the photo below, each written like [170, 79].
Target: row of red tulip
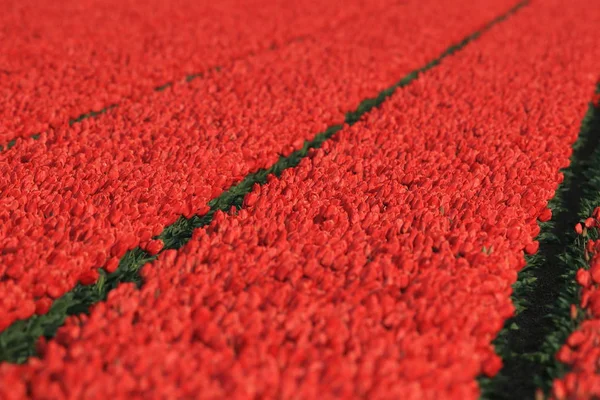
[581, 352]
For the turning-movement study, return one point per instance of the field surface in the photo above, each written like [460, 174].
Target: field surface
[267, 199]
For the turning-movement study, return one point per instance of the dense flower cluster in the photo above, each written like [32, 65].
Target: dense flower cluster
[81, 196]
[59, 60]
[380, 267]
[582, 349]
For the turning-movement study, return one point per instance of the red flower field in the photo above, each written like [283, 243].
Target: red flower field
[299, 200]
